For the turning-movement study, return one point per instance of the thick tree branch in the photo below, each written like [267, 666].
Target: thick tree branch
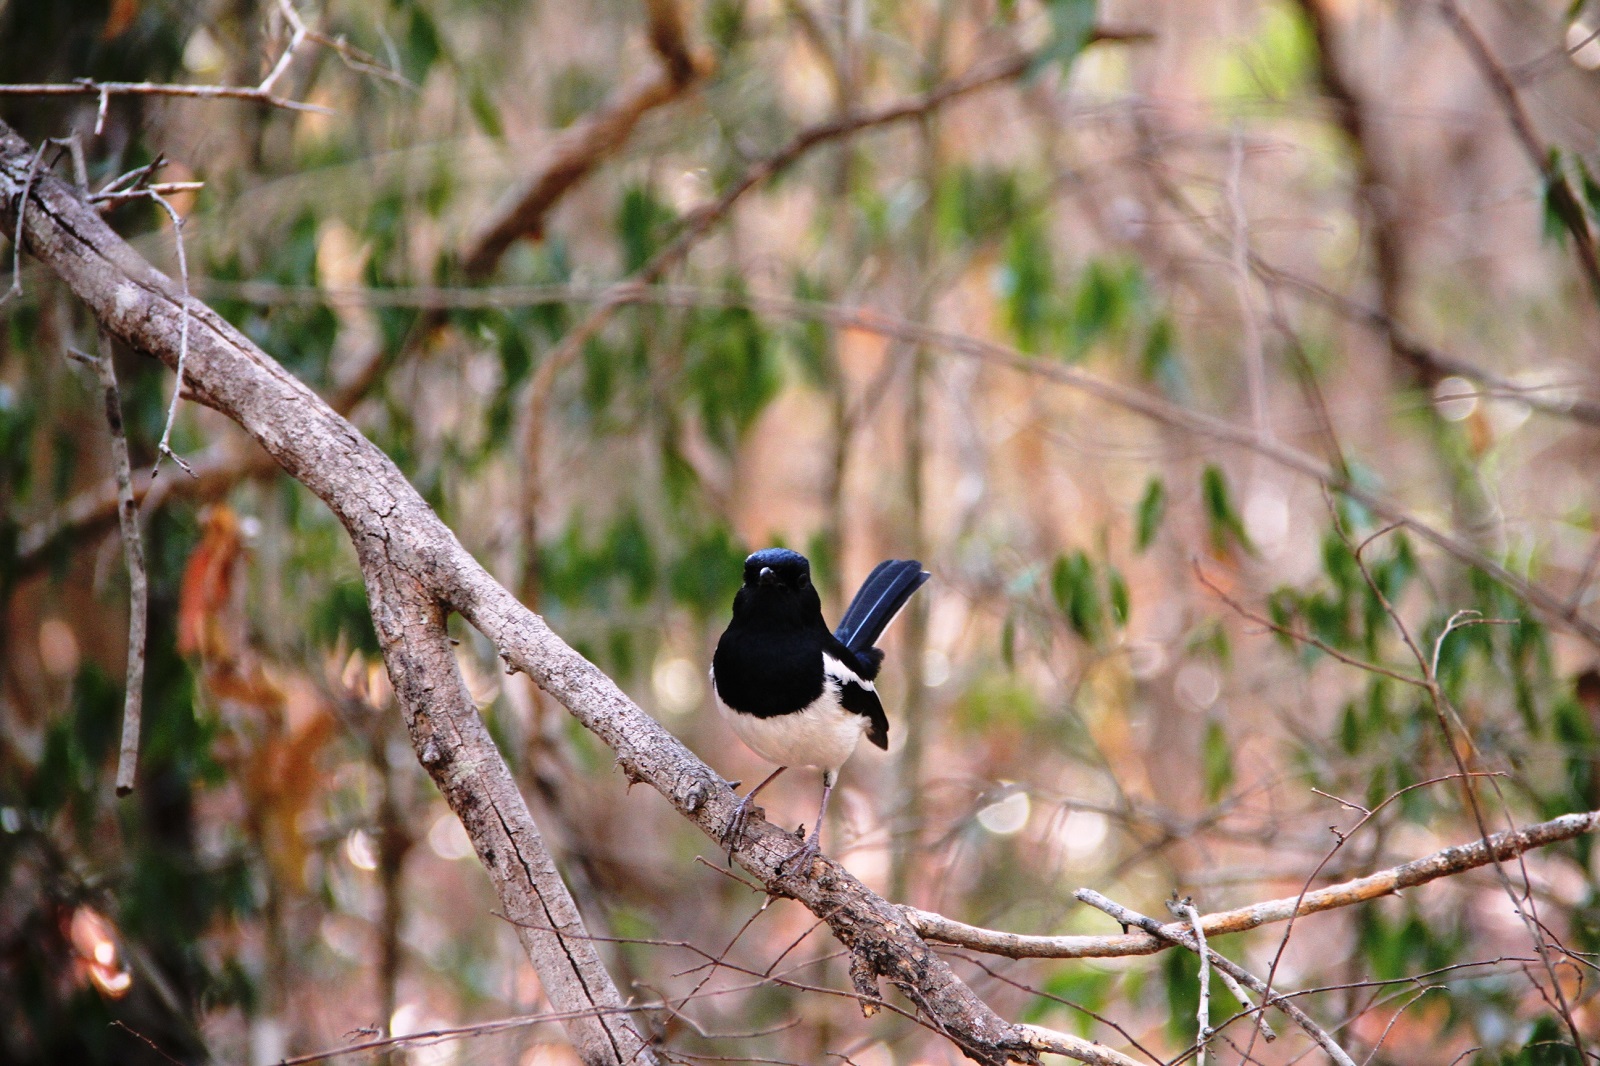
[415, 571]
[404, 552]
[1443, 863]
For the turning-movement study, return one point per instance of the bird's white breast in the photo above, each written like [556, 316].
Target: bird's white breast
[823, 734]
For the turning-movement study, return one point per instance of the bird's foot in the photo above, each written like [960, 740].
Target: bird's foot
[736, 824]
[803, 856]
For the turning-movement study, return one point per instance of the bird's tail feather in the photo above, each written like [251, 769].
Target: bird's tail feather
[881, 596]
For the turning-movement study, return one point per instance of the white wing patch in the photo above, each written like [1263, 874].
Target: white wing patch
[840, 675]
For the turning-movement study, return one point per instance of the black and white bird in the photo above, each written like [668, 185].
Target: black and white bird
[797, 693]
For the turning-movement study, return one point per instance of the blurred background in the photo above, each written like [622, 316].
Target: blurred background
[1304, 235]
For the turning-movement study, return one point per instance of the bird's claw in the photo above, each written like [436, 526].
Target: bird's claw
[802, 857]
[736, 824]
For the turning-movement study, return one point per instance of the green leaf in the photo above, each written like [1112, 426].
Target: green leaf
[629, 555]
[1217, 756]
[484, 111]
[1158, 360]
[1072, 24]
[731, 372]
[810, 340]
[708, 572]
[1548, 1045]
[423, 45]
[1106, 296]
[1152, 509]
[1350, 729]
[1028, 283]
[1222, 518]
[1072, 583]
[1554, 227]
[977, 204]
[644, 224]
[1117, 590]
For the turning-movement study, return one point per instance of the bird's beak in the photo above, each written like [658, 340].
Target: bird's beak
[767, 577]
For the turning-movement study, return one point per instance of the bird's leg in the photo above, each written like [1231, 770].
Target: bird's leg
[741, 813]
[811, 848]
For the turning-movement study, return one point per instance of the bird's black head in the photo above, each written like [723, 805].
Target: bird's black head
[777, 568]
[777, 587]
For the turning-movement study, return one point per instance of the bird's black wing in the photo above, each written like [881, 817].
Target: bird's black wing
[881, 596]
[857, 694]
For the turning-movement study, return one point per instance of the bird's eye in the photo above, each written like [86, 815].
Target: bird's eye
[803, 581]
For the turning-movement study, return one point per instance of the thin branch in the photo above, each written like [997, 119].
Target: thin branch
[1554, 607]
[1184, 937]
[163, 448]
[107, 89]
[1445, 863]
[1563, 201]
[582, 147]
[1304, 638]
[1203, 1012]
[15, 288]
[133, 557]
[297, 36]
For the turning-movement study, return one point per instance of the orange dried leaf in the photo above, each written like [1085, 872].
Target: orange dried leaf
[208, 585]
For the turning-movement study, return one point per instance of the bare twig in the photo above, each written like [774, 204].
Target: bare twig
[163, 447]
[16, 238]
[1547, 603]
[107, 89]
[1563, 201]
[1203, 1031]
[1184, 937]
[1445, 863]
[133, 556]
[297, 36]
[108, 200]
[582, 147]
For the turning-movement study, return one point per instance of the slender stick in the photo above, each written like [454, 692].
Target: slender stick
[138, 581]
[106, 89]
[1203, 1030]
[1445, 863]
[1185, 937]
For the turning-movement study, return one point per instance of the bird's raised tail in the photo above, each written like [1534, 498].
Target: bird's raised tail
[881, 596]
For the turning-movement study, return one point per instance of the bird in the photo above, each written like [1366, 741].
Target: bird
[794, 691]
